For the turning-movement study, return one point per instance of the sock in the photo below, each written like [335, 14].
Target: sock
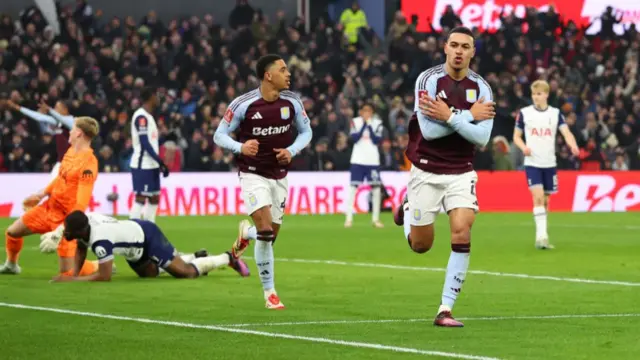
[540, 217]
[263, 254]
[375, 199]
[456, 272]
[136, 210]
[150, 213]
[407, 221]
[350, 199]
[206, 264]
[13, 248]
[253, 233]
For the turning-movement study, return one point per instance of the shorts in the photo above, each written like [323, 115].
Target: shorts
[360, 173]
[258, 192]
[157, 248]
[44, 218]
[146, 182]
[545, 177]
[428, 193]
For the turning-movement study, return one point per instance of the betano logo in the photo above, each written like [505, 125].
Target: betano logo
[601, 193]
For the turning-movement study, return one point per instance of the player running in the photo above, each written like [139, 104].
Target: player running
[444, 131]
[145, 163]
[70, 190]
[366, 133]
[265, 118]
[540, 123]
[142, 243]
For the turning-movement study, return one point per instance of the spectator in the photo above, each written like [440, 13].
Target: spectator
[353, 20]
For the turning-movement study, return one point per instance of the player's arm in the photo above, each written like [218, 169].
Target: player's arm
[376, 134]
[140, 123]
[37, 116]
[81, 256]
[518, 132]
[88, 175]
[477, 133]
[66, 120]
[230, 123]
[356, 133]
[104, 252]
[568, 135]
[304, 129]
[430, 128]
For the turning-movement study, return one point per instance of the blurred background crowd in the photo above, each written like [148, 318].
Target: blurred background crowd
[99, 65]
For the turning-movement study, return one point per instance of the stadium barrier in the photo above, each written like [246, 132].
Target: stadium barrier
[325, 193]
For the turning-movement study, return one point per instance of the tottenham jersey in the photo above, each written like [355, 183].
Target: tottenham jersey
[143, 124]
[365, 151]
[111, 237]
[540, 128]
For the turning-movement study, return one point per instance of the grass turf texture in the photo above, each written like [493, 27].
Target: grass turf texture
[589, 246]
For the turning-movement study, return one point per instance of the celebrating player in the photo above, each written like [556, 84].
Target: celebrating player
[444, 131]
[142, 243]
[366, 133]
[146, 164]
[265, 118]
[70, 190]
[540, 122]
[59, 117]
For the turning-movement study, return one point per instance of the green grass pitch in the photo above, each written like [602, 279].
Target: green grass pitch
[356, 293]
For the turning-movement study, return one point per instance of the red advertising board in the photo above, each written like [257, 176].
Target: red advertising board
[326, 193]
[485, 14]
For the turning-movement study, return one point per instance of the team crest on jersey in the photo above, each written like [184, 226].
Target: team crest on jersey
[417, 214]
[284, 113]
[472, 95]
[253, 200]
[228, 115]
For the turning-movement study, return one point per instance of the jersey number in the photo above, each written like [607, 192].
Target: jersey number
[284, 201]
[473, 188]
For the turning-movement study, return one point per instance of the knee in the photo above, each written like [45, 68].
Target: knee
[421, 241]
[461, 235]
[420, 248]
[154, 200]
[140, 199]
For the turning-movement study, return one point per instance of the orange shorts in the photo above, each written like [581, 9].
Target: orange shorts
[44, 218]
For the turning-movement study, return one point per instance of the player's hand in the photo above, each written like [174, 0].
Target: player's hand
[164, 170]
[482, 110]
[61, 278]
[31, 201]
[283, 156]
[575, 151]
[250, 148]
[526, 151]
[435, 108]
[12, 105]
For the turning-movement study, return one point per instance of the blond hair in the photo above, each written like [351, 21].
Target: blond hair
[540, 85]
[88, 125]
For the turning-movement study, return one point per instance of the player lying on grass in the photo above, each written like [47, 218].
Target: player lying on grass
[142, 243]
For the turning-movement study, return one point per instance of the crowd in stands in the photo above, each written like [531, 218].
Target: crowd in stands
[99, 66]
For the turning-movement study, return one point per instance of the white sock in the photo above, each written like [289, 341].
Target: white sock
[263, 253]
[150, 213]
[206, 264]
[350, 199]
[185, 257]
[253, 233]
[540, 217]
[454, 278]
[375, 199]
[407, 221]
[136, 210]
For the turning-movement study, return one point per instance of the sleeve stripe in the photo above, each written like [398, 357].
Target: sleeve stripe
[292, 100]
[422, 79]
[291, 95]
[235, 104]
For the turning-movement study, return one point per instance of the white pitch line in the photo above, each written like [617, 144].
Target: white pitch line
[385, 321]
[477, 272]
[355, 344]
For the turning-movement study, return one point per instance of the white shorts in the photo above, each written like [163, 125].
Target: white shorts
[55, 170]
[258, 192]
[429, 192]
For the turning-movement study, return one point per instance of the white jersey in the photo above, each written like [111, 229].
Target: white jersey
[540, 128]
[143, 124]
[110, 236]
[366, 137]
